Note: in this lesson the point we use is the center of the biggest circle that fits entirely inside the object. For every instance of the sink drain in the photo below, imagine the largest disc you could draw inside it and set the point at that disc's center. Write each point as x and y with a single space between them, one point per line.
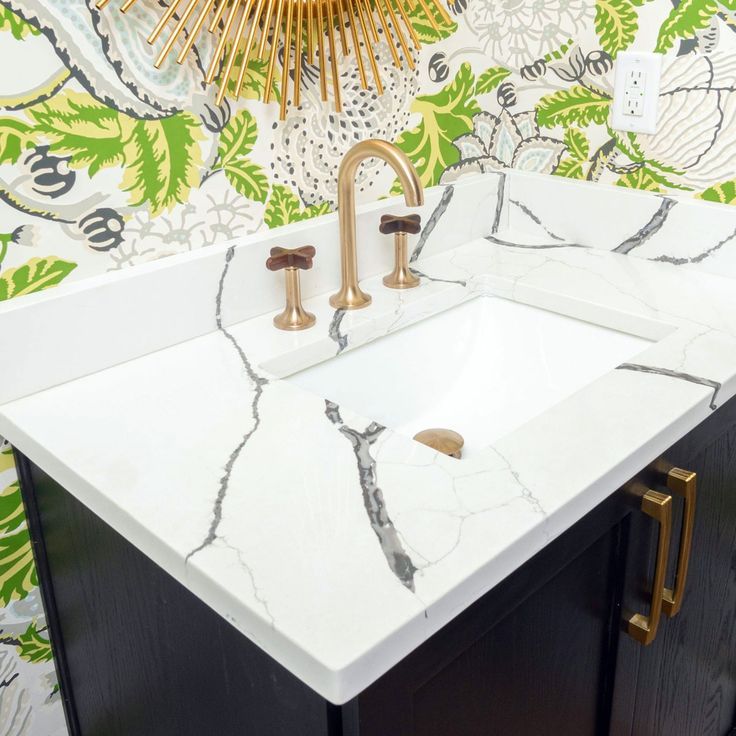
443 440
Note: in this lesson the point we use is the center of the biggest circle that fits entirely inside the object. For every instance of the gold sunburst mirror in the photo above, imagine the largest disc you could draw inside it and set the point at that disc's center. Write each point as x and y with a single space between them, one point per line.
308 30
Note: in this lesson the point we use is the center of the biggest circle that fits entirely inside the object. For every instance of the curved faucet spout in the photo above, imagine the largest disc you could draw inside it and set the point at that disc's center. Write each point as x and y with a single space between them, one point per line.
350 295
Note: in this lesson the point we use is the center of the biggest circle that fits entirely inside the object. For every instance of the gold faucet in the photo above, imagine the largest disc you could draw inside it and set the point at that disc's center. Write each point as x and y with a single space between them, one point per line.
350 295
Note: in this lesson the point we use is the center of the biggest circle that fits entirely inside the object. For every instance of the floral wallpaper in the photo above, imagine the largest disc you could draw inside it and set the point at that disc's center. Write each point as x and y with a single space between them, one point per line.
106 162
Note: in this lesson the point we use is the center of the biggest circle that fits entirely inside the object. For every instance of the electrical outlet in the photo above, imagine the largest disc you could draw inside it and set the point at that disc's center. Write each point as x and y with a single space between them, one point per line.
636 92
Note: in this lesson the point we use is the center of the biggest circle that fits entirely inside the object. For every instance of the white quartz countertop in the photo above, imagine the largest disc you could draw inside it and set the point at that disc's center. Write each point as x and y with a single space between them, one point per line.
338 545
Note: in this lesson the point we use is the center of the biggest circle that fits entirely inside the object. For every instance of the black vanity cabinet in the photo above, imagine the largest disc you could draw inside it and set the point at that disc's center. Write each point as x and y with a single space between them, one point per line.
545 653
684 682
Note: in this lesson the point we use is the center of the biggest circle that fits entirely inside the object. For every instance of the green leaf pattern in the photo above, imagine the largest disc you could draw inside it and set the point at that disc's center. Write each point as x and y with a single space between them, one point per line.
577 105
162 161
446 116
34 645
424 28
78 126
35 275
490 79
725 193
14 24
684 20
17 569
616 22
236 142
283 208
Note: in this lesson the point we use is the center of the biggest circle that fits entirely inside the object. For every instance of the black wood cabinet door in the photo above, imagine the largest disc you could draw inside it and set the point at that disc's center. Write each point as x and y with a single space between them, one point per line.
540 666
137 653
684 682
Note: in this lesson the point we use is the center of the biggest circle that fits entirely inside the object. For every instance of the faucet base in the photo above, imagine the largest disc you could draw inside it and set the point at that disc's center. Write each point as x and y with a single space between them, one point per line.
350 298
294 318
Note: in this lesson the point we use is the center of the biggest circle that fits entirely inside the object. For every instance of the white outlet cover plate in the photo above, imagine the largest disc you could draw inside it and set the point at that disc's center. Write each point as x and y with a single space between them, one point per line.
651 65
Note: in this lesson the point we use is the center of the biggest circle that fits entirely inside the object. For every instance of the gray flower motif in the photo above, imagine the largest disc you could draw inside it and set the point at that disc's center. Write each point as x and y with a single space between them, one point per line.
103 228
51 174
26 235
572 67
598 62
216 117
438 68
534 71
503 141
506 95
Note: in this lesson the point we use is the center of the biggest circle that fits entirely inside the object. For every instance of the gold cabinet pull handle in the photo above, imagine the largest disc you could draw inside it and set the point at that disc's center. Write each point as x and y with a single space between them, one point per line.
659 507
681 483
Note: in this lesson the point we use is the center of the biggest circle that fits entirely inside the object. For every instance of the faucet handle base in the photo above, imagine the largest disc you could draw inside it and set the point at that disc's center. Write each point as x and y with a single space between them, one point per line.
296 318
350 298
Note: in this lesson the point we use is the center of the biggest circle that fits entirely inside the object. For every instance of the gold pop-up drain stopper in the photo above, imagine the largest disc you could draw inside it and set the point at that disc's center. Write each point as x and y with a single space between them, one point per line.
443 440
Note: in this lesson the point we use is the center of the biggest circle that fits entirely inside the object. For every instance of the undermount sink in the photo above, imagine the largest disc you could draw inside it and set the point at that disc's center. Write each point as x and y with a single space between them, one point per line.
482 368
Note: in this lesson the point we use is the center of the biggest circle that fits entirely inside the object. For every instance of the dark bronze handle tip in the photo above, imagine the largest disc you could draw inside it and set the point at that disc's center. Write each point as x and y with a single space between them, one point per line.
400 224
291 258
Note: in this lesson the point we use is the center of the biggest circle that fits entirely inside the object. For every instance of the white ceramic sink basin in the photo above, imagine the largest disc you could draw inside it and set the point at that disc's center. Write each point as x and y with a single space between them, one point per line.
482 368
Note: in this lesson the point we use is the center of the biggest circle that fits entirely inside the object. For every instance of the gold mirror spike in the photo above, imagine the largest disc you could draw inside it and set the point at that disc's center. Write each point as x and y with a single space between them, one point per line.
311 27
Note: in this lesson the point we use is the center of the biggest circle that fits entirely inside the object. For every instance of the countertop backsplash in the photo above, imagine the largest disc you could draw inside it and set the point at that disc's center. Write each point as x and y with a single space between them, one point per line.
503 86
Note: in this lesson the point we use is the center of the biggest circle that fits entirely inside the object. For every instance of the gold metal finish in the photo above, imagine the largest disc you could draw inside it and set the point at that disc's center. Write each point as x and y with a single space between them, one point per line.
165 18
217 16
443 440
215 63
274 52
401 277
265 29
248 46
430 15
356 46
443 13
333 66
409 24
321 50
400 226
399 34
294 316
300 26
197 27
234 51
310 34
371 22
681 483
178 28
341 27
350 295
387 34
659 507
287 61
298 41
368 47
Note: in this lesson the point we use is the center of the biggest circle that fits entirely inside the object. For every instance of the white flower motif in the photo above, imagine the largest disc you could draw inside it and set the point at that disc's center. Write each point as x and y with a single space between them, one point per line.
206 219
504 141
108 52
696 128
518 32
310 144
